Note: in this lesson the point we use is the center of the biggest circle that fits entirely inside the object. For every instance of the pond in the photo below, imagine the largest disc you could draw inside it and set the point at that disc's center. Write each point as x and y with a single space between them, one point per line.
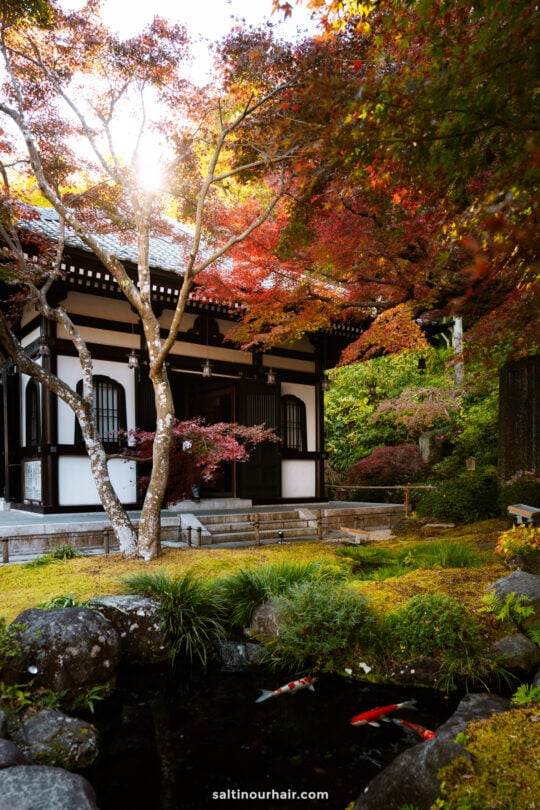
170 741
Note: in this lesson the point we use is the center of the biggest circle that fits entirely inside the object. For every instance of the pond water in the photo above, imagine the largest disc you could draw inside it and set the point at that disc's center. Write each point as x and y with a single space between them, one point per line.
172 742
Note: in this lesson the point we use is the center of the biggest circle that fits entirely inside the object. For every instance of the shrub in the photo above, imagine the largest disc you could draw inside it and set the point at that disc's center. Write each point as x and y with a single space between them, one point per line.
469 497
389 465
431 625
243 591
190 610
322 626
521 541
523 489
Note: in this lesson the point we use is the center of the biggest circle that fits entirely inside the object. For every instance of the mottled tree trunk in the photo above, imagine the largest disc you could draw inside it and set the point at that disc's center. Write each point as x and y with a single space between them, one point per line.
120 523
149 544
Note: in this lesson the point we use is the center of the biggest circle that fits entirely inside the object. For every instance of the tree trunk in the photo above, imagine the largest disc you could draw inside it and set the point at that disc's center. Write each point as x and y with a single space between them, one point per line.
149 545
457 345
121 524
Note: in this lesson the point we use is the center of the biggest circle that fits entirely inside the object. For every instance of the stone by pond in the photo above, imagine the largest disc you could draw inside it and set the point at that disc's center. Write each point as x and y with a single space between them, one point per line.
172 742
40 787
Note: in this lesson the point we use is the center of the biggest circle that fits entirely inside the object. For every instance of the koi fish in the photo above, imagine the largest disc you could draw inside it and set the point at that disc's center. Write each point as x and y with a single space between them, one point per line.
294 686
370 717
425 733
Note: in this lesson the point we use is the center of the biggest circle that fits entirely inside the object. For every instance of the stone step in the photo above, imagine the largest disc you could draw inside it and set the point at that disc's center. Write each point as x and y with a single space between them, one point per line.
264 534
228 528
246 517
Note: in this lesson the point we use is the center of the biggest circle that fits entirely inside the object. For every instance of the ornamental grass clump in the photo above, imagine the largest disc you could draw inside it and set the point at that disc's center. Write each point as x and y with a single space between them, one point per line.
443 554
245 590
374 562
190 610
58 554
324 625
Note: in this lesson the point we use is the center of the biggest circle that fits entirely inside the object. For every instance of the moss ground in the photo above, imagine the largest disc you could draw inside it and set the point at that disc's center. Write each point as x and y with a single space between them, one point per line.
86 577
497 745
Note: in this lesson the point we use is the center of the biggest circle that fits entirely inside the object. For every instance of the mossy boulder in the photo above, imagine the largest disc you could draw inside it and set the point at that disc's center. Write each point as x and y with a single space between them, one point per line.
501 763
516 653
49 737
65 649
136 620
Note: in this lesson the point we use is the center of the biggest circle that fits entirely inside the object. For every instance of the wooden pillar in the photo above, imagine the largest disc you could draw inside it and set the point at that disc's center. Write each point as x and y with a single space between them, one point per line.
12 434
519 418
49 423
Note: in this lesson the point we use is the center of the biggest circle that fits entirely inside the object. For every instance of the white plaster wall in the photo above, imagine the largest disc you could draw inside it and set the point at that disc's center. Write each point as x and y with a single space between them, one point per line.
298 479
33 335
105 337
307 394
101 306
69 370
76 485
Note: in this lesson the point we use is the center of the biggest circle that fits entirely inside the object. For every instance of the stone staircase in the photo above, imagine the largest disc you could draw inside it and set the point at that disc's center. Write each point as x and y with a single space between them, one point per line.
275 524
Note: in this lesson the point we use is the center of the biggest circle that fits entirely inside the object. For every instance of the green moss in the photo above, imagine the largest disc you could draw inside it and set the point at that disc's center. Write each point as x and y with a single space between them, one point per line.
504 765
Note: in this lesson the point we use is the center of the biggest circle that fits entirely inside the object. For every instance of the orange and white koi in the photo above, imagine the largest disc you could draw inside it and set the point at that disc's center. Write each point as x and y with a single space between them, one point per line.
370 717
425 733
288 688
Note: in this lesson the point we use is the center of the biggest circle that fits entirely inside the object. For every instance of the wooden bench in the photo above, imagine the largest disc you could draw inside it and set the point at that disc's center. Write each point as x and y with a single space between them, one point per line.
524 513
358 535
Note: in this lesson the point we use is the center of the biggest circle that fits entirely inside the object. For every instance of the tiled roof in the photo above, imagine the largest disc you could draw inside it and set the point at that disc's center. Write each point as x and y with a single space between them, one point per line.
166 253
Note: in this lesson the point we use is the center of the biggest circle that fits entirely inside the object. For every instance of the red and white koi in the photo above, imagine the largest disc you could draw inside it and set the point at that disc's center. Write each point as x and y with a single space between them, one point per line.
424 733
380 713
288 688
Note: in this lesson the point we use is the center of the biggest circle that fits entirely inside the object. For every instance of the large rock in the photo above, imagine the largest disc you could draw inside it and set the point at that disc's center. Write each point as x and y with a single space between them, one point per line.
238 655
49 737
412 777
522 584
38 787
72 649
135 618
516 653
472 707
10 755
265 620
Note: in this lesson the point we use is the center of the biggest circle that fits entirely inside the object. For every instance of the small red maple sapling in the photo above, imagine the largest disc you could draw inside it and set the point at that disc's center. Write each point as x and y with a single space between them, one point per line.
198 452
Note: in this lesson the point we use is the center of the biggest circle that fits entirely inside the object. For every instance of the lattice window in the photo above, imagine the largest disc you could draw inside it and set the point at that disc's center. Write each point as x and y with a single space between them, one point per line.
293 423
109 409
33 413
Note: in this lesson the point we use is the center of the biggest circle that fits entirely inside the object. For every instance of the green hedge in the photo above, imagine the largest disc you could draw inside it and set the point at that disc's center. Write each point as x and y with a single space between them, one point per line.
469 497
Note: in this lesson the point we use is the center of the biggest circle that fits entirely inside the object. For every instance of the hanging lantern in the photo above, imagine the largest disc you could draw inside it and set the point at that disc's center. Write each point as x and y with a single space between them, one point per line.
133 359
207 369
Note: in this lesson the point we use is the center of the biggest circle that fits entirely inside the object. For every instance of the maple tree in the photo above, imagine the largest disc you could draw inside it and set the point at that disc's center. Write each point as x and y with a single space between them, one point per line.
400 464
198 452
72 83
417 188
